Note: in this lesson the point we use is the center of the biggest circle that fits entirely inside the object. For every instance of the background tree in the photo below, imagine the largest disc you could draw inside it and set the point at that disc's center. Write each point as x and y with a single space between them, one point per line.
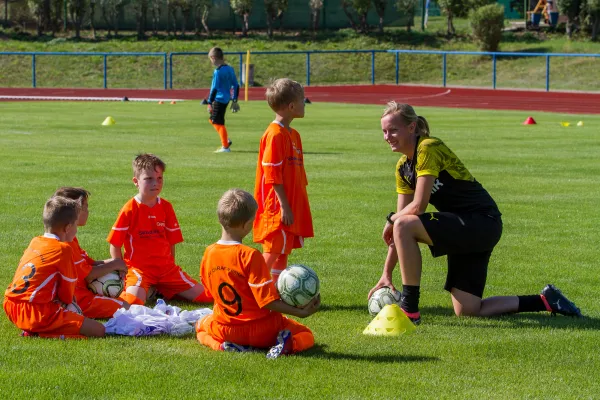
140 8
380 9
486 25
93 4
111 9
201 12
243 8
361 9
155 6
274 10
315 13
572 9
39 9
185 7
78 10
408 8
593 7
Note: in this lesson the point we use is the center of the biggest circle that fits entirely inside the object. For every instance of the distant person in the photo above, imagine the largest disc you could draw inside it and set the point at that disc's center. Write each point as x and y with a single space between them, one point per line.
92 305
148 229
39 298
224 88
248 311
284 218
466 227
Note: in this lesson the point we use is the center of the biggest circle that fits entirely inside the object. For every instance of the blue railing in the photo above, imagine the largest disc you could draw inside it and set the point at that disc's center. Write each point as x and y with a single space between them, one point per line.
104 56
168 67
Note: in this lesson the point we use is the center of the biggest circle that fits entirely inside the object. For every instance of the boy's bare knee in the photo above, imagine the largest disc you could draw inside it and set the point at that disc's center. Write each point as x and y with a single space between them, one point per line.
91 328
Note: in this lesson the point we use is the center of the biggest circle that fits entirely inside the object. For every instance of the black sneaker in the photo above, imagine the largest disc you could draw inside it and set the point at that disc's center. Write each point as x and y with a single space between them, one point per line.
559 303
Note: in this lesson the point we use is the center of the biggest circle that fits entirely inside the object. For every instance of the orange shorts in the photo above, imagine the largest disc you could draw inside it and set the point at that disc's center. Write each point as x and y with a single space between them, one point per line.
260 333
94 306
46 319
282 242
168 280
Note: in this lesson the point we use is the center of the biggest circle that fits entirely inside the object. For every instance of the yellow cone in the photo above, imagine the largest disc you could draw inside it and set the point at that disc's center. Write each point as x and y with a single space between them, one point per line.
580 123
109 121
391 321
565 124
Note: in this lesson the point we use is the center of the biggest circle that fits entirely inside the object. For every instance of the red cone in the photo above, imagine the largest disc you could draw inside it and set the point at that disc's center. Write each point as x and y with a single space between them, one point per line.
529 121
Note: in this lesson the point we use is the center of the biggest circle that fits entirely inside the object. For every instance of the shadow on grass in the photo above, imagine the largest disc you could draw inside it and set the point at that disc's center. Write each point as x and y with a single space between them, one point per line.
320 351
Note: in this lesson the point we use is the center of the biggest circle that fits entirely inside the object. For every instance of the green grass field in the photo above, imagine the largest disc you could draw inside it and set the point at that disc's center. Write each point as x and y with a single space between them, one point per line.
543 177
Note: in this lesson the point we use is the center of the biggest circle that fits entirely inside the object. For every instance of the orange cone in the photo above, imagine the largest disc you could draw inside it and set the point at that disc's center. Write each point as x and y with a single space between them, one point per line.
173 102
161 102
529 121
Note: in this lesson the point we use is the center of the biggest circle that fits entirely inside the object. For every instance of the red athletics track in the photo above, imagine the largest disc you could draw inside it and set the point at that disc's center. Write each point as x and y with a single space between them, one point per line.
499 99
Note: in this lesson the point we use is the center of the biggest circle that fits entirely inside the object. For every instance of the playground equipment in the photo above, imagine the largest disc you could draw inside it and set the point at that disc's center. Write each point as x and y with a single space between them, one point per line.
546 9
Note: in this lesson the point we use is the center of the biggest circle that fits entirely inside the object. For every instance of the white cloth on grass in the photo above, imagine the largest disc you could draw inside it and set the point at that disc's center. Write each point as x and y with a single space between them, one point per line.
162 319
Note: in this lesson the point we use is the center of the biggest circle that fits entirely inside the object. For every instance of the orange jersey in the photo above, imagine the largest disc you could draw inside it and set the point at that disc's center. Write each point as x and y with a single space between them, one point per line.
83 264
45 273
281 161
147 233
238 278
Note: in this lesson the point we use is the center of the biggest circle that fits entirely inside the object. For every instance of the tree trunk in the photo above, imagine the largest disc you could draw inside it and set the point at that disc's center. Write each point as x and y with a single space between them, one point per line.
92 14
269 26
205 20
350 18
451 30
595 26
245 24
315 19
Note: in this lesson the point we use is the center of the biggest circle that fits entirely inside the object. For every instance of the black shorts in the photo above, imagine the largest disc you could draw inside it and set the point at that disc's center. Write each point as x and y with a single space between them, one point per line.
468 240
218 113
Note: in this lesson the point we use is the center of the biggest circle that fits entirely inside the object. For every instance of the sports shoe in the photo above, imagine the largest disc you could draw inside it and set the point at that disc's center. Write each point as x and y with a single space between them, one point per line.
283 346
223 150
559 303
235 348
229 143
415 318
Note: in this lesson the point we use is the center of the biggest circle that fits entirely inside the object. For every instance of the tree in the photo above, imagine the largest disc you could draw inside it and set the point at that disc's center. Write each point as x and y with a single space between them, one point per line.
451 8
111 9
77 12
408 8
92 16
274 10
186 7
380 9
315 13
593 8
201 11
361 8
140 8
243 8
486 24
155 6
572 9
38 9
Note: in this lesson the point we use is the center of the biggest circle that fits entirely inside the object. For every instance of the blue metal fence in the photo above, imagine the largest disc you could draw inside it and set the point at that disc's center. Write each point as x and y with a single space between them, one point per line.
104 56
168 69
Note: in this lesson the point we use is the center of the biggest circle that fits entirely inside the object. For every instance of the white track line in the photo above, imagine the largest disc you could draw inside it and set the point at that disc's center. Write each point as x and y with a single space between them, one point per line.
82 98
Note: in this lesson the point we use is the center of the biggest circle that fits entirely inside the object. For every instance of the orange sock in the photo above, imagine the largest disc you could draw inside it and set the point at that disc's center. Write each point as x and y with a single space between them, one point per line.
131 299
302 341
222 131
276 263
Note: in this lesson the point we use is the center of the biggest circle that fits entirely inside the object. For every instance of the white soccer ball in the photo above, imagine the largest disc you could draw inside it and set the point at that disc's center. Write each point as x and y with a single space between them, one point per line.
74 307
109 285
382 297
298 285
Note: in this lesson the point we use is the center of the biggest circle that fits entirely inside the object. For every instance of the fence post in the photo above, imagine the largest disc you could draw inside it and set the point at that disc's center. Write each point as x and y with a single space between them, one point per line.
165 71
397 68
494 71
33 83
444 67
241 66
171 71
547 73
307 68
373 67
104 69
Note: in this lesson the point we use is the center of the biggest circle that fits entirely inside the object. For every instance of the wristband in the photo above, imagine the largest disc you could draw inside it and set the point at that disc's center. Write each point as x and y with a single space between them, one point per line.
389 217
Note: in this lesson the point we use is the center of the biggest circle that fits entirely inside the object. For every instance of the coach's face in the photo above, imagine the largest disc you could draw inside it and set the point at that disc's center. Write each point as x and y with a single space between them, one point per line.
399 136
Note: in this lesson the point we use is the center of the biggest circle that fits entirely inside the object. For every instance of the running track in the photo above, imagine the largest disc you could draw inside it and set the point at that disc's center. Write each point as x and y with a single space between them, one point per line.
499 99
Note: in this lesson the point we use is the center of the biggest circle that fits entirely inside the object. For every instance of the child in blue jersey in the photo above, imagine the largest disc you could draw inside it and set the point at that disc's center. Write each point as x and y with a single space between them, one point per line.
220 94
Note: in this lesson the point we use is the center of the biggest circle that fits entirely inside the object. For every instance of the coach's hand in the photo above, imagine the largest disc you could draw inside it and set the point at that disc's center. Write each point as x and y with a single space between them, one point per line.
235 107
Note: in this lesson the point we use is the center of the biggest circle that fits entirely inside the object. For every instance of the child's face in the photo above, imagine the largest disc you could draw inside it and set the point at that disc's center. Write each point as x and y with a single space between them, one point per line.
297 108
70 232
212 60
149 183
83 213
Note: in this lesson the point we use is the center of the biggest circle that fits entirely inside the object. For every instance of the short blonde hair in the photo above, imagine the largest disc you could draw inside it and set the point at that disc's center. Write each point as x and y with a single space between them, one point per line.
408 115
60 212
75 193
235 208
147 161
282 92
217 53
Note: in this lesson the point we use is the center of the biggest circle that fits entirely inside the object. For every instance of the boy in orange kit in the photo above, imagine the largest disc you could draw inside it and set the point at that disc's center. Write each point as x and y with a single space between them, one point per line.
248 310
36 301
148 229
283 219
92 306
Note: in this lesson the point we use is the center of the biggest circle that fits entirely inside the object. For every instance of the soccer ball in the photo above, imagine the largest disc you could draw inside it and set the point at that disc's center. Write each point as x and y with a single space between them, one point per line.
109 285
298 285
382 297
74 307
